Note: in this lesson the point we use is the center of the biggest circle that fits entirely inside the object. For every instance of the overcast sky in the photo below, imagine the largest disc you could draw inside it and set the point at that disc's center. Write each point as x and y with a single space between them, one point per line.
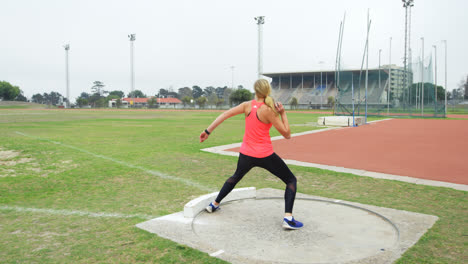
194 42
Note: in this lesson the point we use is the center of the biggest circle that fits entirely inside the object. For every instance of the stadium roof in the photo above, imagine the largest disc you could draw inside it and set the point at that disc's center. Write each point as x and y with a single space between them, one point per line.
295 73
276 74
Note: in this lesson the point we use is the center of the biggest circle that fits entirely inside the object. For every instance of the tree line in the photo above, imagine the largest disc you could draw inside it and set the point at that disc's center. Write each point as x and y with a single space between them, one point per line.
52 98
9 92
214 96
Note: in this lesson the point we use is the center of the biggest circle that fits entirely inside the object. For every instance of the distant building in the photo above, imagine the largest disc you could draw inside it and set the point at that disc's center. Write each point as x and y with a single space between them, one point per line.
113 103
169 102
397 79
144 102
312 89
136 102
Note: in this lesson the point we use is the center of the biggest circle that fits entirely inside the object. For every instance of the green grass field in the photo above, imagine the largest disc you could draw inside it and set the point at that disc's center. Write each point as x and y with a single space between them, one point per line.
22 105
458 109
73 184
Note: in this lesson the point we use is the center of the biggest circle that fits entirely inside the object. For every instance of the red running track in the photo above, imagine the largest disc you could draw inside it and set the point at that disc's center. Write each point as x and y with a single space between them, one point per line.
420 148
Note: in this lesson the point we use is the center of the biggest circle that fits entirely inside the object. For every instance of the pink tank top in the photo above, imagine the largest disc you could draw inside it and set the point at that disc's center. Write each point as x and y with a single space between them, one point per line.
257 142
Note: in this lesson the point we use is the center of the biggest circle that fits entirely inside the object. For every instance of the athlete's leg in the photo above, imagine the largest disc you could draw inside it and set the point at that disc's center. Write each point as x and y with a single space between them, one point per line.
244 165
277 167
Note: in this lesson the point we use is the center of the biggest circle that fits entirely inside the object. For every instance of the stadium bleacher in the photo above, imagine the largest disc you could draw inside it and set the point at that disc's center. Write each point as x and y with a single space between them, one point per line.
312 91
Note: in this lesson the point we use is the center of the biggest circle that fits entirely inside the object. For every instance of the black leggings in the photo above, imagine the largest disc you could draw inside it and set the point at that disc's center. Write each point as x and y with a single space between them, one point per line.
273 164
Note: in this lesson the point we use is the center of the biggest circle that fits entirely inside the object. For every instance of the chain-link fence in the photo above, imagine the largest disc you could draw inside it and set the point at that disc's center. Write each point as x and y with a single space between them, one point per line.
390 90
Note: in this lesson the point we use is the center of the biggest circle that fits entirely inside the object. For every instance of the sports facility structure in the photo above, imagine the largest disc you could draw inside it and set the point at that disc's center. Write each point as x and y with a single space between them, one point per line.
313 89
385 90
360 92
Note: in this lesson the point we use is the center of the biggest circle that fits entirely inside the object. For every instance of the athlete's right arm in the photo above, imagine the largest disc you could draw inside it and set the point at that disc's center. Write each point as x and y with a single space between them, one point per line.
240 109
282 125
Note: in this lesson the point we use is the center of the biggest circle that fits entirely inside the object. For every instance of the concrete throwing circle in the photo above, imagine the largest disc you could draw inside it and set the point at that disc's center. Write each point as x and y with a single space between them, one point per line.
332 232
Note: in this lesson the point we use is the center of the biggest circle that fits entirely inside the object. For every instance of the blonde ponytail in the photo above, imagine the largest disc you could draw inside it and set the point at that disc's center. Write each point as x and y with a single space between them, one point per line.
271 103
262 90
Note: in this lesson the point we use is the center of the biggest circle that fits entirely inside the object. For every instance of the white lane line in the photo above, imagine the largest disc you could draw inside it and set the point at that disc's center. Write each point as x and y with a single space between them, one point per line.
379 175
217 253
73 212
152 172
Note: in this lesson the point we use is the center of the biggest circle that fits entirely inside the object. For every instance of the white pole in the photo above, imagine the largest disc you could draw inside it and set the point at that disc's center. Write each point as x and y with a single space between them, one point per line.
410 58
389 75
260 21
367 60
260 51
67 48
422 78
321 89
336 61
406 49
445 42
380 85
352 95
132 74
435 78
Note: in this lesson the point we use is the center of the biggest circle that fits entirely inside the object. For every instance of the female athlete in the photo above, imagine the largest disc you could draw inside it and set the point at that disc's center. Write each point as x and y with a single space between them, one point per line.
256 150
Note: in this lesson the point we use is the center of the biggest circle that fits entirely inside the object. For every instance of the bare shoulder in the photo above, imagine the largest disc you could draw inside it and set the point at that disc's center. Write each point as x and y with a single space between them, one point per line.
266 114
246 103
246 106
266 109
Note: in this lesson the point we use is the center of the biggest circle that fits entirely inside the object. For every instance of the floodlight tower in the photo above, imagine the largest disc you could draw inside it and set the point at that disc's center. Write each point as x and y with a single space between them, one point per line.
406 4
410 55
67 48
260 21
132 73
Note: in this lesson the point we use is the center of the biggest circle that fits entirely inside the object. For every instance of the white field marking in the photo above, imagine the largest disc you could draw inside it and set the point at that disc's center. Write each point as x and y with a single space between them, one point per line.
217 253
375 121
73 212
152 172
23 113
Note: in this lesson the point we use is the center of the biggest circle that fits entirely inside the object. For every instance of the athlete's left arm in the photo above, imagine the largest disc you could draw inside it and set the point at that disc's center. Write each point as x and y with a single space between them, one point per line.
237 110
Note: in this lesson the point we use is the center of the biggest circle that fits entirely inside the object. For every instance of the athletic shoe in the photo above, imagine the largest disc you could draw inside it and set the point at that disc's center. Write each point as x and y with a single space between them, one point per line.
211 208
293 224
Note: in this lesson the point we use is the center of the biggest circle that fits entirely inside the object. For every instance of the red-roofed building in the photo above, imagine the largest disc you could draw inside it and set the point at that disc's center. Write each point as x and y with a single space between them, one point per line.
143 102
136 102
169 101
